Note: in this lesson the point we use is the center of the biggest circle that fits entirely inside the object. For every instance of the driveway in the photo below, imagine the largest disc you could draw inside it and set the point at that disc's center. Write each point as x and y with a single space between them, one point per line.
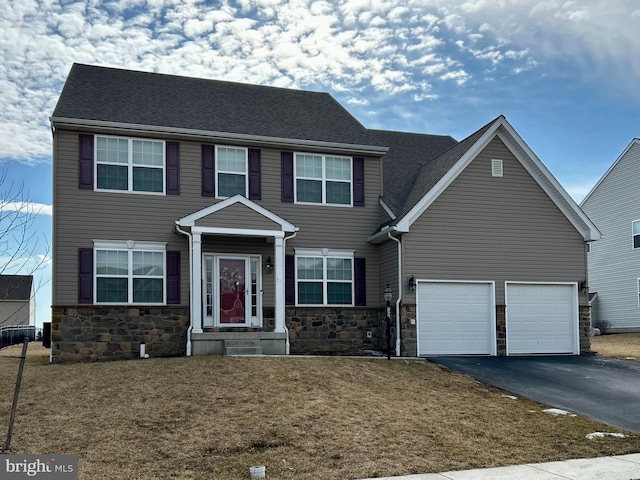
602 388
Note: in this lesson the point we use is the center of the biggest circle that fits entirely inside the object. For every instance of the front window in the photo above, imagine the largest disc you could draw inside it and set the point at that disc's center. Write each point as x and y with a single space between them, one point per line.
324 277
130 165
323 179
129 272
636 234
231 169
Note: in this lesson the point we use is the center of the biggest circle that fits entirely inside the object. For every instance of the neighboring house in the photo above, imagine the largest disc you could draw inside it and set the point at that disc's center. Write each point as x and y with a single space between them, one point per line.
614 262
17 300
205 217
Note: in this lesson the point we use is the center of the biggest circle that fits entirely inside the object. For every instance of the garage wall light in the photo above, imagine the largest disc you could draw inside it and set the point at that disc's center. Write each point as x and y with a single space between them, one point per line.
412 284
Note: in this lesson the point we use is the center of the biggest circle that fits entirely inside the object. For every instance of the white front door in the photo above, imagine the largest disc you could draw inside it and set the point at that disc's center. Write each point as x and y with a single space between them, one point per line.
232 290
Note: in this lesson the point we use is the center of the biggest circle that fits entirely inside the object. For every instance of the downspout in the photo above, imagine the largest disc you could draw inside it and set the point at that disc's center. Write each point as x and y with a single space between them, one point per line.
287 345
399 291
191 306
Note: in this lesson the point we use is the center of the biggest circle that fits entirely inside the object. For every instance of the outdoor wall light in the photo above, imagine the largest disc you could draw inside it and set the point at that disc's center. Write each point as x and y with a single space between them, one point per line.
269 265
584 286
412 284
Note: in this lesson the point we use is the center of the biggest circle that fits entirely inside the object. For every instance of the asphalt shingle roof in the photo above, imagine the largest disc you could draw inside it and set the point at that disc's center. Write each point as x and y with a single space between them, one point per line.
142 98
15 287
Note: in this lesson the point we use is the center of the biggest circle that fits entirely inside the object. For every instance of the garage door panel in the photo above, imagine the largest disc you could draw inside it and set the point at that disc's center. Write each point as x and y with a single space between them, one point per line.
455 318
541 318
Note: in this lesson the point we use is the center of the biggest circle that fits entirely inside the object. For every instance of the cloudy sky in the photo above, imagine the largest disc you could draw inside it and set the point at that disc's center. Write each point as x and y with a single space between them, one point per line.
565 73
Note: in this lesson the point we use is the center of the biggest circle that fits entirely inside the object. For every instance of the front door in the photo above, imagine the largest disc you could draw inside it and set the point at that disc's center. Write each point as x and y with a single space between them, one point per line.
232 291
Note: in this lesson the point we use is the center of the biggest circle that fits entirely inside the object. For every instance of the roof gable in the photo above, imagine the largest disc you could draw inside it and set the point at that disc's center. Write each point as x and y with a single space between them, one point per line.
174 103
16 287
634 142
448 166
263 220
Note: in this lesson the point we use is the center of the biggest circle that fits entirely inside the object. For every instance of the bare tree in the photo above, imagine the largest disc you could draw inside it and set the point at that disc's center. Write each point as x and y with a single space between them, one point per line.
19 237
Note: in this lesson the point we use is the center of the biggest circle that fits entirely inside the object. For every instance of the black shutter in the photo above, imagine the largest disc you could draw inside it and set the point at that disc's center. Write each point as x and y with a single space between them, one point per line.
358 182
255 188
85 275
360 275
208 171
173 277
173 168
287 176
289 280
85 165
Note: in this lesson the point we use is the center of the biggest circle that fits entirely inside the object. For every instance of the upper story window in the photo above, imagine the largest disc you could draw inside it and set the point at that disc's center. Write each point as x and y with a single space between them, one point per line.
324 277
129 272
231 171
130 165
636 233
323 179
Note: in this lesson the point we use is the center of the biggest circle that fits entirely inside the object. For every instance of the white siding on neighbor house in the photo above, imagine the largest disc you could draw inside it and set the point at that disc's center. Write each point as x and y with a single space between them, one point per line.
614 265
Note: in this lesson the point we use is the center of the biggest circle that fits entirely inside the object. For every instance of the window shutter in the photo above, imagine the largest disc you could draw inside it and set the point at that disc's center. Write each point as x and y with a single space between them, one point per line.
255 188
358 182
173 277
289 280
85 167
173 168
360 275
208 171
287 176
85 275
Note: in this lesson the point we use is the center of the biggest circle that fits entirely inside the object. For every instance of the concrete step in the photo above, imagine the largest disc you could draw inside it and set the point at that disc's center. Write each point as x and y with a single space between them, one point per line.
242 347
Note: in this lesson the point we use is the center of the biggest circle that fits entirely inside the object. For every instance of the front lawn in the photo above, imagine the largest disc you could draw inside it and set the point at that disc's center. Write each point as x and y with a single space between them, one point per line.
303 418
618 345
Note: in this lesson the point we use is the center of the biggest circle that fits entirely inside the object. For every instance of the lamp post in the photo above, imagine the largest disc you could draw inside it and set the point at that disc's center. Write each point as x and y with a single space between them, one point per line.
388 293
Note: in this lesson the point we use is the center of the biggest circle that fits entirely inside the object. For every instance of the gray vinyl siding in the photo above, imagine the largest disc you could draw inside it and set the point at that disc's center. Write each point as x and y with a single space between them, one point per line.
388 268
495 229
614 265
14 313
238 216
83 215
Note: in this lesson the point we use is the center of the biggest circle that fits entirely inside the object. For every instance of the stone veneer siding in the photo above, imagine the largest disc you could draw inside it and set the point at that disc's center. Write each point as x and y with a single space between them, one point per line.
82 333
334 330
409 340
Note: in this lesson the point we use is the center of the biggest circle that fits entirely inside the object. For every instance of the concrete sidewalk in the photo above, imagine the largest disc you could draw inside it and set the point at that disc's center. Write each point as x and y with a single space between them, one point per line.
622 467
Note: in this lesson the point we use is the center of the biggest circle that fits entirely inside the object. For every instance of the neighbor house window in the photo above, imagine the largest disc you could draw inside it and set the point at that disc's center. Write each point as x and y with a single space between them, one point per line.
231 171
130 165
636 234
129 272
323 179
324 277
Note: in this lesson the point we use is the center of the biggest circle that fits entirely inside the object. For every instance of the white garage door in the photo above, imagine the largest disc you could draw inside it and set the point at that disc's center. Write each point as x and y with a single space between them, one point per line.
542 318
455 318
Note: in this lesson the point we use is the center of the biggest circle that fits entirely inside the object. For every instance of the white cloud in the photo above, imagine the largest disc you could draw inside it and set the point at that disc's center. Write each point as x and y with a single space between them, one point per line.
29 208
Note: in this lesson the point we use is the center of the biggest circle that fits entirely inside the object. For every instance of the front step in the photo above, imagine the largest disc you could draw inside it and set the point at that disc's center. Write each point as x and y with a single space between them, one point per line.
242 347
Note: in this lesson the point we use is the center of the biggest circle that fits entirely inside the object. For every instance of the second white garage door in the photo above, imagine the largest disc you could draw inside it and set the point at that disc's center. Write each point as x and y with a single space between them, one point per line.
456 318
542 318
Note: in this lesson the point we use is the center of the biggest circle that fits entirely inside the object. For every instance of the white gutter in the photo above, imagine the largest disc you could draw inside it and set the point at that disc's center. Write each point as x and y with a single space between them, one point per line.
287 345
211 135
191 303
399 290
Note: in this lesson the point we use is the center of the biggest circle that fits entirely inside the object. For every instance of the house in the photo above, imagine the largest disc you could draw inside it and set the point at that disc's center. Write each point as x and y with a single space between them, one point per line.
204 217
614 262
17 300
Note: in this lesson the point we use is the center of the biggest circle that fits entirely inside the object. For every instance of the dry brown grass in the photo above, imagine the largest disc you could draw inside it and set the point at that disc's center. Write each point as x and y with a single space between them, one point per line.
618 345
304 418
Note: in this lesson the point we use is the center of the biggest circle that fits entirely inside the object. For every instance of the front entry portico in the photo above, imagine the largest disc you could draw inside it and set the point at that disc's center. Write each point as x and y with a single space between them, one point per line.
228 242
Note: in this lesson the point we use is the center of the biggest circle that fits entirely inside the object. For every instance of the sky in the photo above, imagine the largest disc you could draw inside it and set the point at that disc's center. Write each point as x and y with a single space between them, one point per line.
566 74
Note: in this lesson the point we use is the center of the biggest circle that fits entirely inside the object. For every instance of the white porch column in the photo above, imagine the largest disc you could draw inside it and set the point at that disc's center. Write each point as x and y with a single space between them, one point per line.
196 283
279 284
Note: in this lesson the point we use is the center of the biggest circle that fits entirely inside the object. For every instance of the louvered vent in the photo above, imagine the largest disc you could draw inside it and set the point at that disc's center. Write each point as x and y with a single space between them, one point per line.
496 168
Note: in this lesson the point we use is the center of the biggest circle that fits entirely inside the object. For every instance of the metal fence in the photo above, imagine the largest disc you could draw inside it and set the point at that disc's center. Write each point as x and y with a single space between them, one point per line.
15 334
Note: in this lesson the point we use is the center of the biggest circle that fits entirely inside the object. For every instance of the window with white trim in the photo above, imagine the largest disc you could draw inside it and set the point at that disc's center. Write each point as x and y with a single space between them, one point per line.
324 277
324 179
635 227
128 272
130 164
639 292
231 171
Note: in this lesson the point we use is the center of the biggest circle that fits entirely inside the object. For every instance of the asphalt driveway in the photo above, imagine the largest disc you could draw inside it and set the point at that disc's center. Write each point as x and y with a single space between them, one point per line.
602 388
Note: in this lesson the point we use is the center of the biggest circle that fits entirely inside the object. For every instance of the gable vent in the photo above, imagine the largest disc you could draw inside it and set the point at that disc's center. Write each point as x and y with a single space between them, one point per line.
496 168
